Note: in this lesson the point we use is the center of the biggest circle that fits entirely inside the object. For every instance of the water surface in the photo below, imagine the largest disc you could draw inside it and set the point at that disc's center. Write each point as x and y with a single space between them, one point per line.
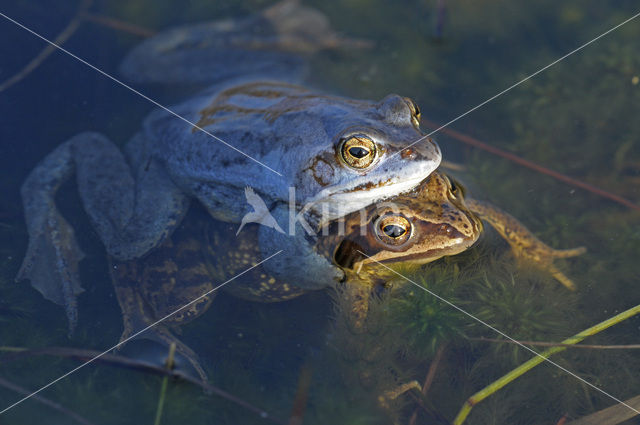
578 118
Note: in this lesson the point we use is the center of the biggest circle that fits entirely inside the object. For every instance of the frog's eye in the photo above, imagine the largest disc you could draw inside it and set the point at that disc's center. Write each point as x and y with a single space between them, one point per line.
415 111
455 188
358 151
393 229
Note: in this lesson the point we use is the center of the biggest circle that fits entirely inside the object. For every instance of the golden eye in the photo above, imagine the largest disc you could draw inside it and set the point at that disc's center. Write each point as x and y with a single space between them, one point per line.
393 229
358 151
415 111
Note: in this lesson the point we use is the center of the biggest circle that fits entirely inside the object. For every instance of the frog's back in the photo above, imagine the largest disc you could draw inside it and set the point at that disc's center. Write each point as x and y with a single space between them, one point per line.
261 133
237 140
268 134
275 135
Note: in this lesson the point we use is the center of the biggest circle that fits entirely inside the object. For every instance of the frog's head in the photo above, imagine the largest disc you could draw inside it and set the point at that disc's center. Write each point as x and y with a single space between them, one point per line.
421 226
372 155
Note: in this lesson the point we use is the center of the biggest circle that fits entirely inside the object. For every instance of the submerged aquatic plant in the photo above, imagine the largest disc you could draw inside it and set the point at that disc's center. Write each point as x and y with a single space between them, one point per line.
524 304
13 304
10 308
533 362
425 321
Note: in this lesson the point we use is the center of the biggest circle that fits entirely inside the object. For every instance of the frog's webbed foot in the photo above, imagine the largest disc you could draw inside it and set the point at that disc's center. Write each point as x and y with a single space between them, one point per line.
525 245
545 256
163 335
51 264
300 28
137 315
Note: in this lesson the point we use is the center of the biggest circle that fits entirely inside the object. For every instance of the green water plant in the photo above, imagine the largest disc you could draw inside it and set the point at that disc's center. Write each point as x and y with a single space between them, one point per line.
539 358
424 321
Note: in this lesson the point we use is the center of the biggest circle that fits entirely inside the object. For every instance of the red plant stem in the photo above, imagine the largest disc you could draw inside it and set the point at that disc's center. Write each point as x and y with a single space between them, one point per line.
302 394
531 165
119 25
429 379
82 355
60 39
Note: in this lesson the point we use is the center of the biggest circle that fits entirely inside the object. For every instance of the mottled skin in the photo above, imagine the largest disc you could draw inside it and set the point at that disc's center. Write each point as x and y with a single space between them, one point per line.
297 132
171 277
150 288
438 224
437 219
135 198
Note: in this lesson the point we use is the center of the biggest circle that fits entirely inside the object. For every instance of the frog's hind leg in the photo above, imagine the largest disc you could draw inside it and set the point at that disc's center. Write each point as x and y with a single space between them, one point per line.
273 44
525 245
215 52
139 318
133 209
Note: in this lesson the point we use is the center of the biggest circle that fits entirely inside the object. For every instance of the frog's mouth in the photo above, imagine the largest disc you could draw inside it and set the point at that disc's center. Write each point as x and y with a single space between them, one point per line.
333 203
350 254
429 256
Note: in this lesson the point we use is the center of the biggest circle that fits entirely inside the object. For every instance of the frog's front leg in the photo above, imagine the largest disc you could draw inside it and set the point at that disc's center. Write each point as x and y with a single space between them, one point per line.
132 208
523 243
298 261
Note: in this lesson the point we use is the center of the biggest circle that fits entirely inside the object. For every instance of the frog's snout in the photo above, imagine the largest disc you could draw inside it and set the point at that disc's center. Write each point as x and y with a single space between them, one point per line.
408 154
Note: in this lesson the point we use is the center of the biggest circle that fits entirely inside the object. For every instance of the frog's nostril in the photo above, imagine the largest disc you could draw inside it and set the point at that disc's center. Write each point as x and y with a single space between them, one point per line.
408 153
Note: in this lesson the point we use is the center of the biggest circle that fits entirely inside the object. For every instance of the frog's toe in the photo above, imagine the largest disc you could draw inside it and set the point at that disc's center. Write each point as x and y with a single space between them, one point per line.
566 253
561 277
51 264
396 392
545 261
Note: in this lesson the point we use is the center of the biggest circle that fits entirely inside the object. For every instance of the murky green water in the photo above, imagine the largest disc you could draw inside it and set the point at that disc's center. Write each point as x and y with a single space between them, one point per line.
578 118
